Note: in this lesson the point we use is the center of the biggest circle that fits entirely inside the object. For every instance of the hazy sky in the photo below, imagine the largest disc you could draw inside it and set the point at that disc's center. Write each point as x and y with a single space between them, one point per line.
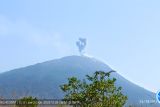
123 33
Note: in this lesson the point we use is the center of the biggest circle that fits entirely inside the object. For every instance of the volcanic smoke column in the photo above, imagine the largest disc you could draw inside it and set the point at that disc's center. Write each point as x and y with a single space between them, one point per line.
81 44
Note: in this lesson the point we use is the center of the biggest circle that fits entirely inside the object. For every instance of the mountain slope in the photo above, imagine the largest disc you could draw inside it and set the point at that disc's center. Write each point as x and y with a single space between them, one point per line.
43 79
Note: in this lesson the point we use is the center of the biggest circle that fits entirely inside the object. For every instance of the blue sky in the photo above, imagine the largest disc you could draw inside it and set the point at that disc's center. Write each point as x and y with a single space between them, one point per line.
123 33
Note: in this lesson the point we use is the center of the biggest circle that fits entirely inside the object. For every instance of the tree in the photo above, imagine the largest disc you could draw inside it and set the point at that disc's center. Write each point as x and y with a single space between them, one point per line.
98 90
27 102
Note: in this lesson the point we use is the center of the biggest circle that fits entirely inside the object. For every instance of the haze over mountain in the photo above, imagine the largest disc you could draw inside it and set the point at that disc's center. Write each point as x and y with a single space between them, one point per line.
42 80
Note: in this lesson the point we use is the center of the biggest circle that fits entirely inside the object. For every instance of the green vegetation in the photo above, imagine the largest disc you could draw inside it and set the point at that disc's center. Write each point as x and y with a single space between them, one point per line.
98 90
27 102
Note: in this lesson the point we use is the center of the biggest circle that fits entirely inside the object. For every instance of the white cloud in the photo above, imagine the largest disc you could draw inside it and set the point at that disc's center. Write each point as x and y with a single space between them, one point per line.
53 40
27 32
17 27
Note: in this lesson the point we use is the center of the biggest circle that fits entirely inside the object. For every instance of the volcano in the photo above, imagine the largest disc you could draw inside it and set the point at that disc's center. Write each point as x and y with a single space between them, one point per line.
42 80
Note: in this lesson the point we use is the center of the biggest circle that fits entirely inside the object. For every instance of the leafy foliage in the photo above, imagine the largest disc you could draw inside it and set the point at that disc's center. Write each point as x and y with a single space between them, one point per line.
27 102
98 90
